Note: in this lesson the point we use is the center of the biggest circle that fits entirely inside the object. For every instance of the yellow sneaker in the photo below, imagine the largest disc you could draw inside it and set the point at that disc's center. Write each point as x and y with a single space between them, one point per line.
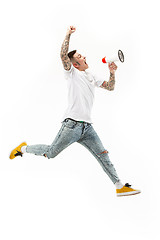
17 151
126 190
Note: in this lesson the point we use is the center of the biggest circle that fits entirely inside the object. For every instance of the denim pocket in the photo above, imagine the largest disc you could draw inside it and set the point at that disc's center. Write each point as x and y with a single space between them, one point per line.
70 124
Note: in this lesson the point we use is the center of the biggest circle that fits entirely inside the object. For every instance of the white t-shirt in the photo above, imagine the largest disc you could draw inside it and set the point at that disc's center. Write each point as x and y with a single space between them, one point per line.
81 88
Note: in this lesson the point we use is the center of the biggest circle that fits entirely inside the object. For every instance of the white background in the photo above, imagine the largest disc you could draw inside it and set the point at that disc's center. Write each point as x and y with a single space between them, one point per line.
71 197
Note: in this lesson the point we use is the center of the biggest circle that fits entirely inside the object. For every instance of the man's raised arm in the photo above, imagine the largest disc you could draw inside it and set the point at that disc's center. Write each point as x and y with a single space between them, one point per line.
64 49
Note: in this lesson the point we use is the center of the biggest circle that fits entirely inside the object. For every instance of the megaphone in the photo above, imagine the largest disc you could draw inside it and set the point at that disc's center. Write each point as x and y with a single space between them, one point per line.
117 57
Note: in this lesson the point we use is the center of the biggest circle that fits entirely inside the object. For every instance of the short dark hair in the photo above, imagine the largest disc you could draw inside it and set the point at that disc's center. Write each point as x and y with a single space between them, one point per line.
70 54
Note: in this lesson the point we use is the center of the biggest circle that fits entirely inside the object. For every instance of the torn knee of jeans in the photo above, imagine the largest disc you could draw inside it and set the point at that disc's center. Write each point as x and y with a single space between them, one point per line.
105 151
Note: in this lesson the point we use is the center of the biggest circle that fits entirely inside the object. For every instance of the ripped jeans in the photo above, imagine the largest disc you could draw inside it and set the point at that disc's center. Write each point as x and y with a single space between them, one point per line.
82 132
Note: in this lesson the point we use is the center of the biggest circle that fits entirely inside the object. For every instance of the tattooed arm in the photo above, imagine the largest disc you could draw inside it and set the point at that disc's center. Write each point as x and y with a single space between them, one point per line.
64 49
111 83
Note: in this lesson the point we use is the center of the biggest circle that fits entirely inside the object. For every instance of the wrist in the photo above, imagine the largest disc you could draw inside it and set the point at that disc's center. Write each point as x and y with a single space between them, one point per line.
68 34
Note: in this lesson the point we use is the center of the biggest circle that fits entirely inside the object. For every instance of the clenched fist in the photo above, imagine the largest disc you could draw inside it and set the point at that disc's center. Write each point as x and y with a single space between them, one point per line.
112 67
71 29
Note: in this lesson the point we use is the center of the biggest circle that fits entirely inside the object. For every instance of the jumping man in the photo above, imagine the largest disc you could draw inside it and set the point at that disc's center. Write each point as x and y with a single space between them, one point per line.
76 122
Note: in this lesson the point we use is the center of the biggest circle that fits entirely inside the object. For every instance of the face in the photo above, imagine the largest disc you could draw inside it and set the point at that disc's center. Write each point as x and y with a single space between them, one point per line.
80 62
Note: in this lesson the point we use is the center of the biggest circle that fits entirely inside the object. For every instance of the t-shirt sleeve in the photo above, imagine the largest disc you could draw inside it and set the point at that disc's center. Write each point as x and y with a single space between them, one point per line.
68 74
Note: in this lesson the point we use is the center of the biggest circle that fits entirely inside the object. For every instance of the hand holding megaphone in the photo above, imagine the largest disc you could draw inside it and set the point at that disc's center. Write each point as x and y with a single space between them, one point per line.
117 57
112 67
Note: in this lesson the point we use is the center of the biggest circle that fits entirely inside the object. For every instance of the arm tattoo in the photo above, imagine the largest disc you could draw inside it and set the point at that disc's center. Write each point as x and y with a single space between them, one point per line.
110 84
112 81
64 51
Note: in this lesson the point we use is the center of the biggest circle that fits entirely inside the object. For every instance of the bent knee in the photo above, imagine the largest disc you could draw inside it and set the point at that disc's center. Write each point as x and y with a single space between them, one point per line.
52 153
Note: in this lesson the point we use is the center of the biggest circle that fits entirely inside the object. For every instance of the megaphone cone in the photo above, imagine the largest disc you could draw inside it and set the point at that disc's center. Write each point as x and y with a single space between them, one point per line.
118 57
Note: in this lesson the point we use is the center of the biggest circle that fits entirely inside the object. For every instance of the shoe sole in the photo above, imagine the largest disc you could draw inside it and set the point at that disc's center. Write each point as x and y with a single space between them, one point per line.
128 193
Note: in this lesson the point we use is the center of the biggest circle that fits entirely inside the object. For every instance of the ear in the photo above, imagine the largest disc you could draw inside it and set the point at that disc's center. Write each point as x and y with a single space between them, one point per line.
75 65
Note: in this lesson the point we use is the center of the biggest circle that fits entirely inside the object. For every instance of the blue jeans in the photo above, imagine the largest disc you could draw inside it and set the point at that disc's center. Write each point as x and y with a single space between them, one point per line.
72 131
